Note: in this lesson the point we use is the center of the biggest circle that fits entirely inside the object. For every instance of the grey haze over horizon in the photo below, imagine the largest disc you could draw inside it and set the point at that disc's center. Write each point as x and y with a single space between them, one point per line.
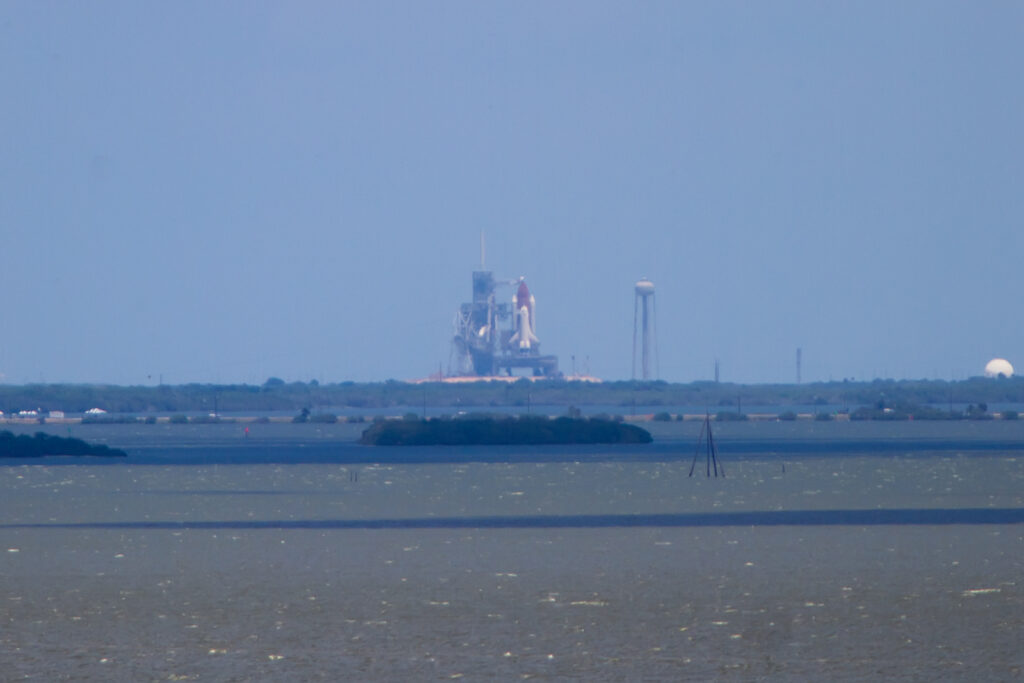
216 192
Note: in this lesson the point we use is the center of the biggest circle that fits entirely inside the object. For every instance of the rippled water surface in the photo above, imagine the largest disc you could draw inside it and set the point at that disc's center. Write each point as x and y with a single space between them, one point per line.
296 555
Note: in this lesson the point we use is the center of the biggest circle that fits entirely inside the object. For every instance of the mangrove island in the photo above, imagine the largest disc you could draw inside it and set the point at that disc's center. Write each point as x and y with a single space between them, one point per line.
490 430
40 445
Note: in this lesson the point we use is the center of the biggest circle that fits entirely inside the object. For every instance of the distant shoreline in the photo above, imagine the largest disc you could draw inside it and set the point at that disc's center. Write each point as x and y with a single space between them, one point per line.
276 398
722 416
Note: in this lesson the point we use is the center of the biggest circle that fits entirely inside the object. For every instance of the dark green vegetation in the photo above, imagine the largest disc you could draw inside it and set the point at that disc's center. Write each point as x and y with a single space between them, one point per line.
25 446
903 397
904 410
500 430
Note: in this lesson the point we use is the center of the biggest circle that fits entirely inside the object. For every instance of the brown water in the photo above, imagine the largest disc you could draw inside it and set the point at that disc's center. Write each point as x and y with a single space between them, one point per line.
247 572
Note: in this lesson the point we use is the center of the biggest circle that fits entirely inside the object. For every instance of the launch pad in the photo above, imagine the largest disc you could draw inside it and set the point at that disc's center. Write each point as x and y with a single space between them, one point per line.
497 339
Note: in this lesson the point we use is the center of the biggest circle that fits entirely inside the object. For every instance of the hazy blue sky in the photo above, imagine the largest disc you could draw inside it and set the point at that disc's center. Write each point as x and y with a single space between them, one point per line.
224 191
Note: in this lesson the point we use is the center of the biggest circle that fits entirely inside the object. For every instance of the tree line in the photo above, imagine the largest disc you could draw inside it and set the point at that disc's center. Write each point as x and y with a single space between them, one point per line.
619 396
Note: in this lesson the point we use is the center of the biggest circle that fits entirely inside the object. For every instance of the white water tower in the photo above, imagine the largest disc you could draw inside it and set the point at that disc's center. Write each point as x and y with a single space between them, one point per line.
644 321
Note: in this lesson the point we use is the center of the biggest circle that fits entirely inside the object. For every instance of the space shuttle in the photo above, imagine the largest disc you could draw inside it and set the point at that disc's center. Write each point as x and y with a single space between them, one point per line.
524 308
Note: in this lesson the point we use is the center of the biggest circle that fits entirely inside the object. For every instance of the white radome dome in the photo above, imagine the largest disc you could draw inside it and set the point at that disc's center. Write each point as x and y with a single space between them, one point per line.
997 367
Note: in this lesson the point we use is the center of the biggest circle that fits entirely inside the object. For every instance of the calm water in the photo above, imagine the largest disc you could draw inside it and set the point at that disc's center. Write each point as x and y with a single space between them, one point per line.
848 551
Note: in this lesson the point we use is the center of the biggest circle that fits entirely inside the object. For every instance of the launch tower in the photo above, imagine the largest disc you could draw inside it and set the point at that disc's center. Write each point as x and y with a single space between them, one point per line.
494 338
